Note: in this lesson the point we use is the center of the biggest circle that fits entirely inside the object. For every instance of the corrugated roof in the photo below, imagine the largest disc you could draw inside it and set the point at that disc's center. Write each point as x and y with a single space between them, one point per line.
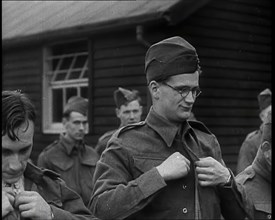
25 18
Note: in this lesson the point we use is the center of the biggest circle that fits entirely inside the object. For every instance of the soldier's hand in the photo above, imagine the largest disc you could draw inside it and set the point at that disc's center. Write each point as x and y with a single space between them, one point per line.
211 172
174 167
32 205
7 201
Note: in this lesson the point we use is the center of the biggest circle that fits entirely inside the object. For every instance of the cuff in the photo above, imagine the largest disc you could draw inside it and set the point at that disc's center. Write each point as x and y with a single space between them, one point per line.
150 182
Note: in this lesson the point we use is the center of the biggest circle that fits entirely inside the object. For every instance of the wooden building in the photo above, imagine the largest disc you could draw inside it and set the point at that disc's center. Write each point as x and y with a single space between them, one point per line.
55 49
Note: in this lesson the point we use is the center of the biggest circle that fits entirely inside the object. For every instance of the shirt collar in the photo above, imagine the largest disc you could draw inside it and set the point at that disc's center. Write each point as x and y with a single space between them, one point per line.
164 128
70 145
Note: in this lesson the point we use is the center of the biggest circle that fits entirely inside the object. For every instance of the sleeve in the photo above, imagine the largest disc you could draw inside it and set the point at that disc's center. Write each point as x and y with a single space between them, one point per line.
246 156
117 194
73 207
233 200
101 146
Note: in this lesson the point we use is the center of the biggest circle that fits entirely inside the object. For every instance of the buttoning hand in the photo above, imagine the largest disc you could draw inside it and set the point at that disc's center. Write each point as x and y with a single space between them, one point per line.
32 205
211 172
174 167
7 201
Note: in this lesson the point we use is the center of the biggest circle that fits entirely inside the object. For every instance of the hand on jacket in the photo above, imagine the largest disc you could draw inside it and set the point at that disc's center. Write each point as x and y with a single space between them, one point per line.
211 172
32 205
174 167
7 201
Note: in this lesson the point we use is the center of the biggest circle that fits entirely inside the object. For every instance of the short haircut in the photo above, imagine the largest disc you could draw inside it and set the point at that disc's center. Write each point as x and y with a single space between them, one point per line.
17 109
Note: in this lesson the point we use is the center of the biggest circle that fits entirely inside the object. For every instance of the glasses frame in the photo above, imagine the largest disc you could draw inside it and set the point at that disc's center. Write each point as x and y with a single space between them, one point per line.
180 91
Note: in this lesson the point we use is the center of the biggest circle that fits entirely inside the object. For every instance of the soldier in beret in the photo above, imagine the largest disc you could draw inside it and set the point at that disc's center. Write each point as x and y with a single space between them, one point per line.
252 141
69 155
255 180
166 167
128 111
29 192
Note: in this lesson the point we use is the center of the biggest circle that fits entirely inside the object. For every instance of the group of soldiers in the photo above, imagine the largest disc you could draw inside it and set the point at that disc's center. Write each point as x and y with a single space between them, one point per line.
167 166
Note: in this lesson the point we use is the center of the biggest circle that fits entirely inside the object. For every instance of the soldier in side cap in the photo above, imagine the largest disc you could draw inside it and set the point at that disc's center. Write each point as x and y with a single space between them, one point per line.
166 167
128 111
29 192
255 180
252 141
69 155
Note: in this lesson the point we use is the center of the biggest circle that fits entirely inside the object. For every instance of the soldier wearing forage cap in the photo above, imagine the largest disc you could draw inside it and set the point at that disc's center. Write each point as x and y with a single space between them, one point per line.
255 180
70 156
166 167
128 111
252 141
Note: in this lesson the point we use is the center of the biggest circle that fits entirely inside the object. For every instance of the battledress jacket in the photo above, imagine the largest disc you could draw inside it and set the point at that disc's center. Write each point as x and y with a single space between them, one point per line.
64 202
128 185
102 141
75 164
249 149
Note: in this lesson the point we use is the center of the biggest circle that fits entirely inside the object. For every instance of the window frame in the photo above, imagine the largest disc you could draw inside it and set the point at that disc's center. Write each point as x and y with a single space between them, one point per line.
48 126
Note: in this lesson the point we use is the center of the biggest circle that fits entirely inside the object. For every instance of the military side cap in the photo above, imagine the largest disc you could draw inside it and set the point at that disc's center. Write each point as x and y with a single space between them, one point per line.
170 57
124 96
264 99
76 104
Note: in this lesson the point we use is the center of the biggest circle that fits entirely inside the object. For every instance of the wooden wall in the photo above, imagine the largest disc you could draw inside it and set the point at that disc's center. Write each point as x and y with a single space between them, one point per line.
233 40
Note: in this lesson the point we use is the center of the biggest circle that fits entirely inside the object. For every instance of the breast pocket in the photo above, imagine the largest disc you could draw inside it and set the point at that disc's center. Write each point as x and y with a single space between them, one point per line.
263 207
143 164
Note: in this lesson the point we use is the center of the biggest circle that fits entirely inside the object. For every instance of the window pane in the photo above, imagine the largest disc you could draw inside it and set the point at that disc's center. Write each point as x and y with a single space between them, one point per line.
66 63
57 105
74 74
70 92
84 92
85 75
80 61
60 76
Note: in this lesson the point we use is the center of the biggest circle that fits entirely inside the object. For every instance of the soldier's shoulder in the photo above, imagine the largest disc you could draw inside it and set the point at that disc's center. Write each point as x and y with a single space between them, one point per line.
129 128
106 135
252 135
51 147
247 174
198 125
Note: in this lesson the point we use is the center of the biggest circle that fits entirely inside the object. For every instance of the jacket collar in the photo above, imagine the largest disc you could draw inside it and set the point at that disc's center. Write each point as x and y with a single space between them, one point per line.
164 128
70 145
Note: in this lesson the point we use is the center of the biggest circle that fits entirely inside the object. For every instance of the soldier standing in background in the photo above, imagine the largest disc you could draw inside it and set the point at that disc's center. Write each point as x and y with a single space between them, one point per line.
69 155
252 141
256 178
128 111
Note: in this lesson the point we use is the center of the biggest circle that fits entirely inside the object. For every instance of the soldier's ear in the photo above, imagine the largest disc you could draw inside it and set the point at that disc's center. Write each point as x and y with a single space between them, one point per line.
154 89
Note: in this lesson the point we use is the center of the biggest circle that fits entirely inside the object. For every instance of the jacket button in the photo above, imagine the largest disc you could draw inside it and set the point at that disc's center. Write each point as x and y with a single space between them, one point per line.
184 210
269 216
184 186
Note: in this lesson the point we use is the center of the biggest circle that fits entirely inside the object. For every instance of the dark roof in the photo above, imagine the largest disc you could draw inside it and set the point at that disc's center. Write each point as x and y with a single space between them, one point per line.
23 19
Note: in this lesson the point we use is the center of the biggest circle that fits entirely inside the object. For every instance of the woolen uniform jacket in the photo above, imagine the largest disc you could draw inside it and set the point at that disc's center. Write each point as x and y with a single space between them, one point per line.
64 202
75 164
128 185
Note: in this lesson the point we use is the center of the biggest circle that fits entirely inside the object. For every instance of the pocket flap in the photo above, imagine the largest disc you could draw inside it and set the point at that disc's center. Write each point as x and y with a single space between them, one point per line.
263 206
145 164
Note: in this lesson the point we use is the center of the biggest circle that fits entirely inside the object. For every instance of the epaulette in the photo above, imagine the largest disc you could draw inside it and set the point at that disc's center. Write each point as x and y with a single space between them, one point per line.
51 174
128 127
199 126
50 146
107 134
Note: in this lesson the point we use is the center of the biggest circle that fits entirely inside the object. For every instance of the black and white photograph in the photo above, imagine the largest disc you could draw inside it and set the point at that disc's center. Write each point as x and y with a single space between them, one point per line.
136 109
